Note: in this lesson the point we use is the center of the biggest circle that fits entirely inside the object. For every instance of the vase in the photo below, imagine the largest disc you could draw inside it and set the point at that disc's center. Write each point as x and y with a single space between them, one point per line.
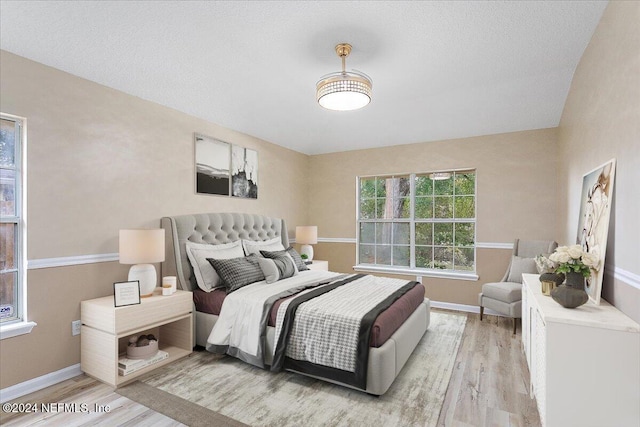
571 294
549 281
556 278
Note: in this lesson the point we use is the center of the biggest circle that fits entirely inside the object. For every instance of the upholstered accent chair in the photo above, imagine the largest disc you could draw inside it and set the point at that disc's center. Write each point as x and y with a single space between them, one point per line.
505 296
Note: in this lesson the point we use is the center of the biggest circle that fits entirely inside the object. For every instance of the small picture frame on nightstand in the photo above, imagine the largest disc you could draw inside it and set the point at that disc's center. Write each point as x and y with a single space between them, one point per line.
126 293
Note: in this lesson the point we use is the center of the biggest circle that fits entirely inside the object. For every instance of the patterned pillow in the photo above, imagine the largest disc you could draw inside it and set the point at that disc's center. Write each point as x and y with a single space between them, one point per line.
254 247
238 272
278 268
300 265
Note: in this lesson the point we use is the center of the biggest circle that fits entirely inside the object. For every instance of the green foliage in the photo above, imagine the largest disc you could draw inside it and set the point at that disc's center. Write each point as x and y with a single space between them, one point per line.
443 207
424 185
367 188
440 245
424 207
443 187
465 183
465 207
443 233
577 267
424 233
7 143
465 233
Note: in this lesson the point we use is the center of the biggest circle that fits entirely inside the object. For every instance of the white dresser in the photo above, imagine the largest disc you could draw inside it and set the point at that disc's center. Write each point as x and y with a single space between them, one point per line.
584 362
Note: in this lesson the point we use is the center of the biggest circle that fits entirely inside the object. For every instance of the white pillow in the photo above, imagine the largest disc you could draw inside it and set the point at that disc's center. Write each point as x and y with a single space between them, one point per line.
206 276
252 247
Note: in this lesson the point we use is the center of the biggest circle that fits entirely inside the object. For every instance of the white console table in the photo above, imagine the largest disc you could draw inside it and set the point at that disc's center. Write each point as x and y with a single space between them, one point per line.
584 362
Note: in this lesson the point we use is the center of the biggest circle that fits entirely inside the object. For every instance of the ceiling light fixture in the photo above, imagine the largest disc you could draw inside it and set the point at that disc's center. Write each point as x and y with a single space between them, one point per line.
346 90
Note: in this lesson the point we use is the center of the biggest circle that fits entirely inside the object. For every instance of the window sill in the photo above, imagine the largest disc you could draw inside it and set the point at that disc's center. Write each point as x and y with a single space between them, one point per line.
15 329
418 272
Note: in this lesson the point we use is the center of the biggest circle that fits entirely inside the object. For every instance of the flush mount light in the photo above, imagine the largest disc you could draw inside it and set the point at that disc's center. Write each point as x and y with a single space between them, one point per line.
345 90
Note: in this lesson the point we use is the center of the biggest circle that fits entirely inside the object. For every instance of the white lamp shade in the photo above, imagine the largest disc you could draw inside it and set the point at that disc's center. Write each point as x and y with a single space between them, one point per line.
141 246
307 234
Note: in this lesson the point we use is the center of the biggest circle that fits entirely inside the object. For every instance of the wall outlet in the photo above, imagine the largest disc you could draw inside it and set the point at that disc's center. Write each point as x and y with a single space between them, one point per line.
75 327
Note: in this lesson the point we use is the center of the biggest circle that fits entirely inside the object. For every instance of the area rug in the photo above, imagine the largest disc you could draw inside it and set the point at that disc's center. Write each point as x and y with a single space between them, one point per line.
236 392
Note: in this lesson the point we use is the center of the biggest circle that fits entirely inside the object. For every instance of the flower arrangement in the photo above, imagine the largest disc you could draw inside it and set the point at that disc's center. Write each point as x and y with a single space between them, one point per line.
545 265
575 259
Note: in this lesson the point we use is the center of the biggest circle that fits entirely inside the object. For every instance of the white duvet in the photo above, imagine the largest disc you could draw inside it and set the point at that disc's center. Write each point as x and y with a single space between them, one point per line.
239 322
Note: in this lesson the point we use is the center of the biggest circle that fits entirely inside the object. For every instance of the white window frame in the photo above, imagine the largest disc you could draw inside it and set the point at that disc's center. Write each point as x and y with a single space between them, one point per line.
20 325
412 269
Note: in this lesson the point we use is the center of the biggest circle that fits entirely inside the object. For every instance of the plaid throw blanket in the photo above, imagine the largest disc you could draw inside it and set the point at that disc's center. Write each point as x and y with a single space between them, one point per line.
325 331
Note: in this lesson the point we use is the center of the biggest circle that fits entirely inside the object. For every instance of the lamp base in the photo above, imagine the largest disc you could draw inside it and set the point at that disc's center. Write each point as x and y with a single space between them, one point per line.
308 251
146 275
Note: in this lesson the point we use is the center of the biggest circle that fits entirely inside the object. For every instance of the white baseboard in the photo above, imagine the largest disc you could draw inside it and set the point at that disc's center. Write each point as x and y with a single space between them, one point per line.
33 385
463 307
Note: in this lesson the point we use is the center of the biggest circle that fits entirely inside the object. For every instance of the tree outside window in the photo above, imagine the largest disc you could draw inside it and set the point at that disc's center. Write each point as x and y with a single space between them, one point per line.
422 221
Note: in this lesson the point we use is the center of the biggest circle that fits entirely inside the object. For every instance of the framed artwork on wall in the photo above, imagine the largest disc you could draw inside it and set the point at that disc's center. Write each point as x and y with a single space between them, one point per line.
593 223
213 159
244 172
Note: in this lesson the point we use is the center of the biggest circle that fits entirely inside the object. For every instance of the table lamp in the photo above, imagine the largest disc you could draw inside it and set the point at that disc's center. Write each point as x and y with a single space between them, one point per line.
142 248
307 235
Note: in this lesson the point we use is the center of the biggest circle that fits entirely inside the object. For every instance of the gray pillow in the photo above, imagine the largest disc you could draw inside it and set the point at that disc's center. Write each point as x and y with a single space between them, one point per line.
300 265
238 272
520 265
278 268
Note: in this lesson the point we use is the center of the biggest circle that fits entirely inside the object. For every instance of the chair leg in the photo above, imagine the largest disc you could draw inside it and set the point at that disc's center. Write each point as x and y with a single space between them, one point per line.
481 312
514 325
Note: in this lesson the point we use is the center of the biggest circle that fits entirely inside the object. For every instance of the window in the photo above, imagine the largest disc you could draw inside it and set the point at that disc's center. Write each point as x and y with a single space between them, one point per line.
11 220
423 221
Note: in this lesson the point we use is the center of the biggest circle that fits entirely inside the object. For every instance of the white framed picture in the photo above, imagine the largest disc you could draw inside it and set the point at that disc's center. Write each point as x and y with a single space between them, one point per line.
213 159
593 223
126 293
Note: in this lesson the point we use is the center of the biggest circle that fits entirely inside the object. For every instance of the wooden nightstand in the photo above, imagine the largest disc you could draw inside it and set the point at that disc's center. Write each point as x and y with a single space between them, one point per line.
319 265
106 330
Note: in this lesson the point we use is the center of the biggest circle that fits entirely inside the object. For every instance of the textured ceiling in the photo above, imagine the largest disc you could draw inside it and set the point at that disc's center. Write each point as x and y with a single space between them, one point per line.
440 70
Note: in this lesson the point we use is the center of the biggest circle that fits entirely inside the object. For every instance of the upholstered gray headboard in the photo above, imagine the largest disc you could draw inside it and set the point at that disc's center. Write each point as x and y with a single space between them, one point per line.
212 228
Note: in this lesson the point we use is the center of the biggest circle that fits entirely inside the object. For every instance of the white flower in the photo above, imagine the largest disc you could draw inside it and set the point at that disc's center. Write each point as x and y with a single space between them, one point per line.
562 249
575 251
560 257
591 260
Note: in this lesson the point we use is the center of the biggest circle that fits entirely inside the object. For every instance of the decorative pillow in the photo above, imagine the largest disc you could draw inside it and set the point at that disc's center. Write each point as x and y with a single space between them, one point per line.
206 277
238 272
252 247
278 268
519 266
300 265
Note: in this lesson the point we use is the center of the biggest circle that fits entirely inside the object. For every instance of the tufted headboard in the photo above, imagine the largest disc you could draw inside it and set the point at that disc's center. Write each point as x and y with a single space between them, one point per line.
212 228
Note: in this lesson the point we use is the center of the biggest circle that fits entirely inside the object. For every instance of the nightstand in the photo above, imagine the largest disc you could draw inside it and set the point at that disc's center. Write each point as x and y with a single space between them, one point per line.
319 265
106 330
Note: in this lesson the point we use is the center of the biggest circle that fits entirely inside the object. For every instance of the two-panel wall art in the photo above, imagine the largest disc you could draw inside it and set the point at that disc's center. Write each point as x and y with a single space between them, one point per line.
224 169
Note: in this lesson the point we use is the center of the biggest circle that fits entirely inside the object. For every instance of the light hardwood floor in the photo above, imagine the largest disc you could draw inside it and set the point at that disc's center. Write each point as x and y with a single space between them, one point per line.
489 387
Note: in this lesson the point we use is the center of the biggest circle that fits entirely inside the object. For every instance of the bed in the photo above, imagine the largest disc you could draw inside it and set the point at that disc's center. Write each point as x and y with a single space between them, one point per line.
384 362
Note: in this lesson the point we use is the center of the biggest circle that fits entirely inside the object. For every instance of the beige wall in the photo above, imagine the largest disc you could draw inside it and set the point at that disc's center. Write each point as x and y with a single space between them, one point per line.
601 121
516 189
100 160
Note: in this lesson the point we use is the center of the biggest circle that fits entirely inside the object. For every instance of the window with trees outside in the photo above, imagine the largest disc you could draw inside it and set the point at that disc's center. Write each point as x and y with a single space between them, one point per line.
11 226
421 221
